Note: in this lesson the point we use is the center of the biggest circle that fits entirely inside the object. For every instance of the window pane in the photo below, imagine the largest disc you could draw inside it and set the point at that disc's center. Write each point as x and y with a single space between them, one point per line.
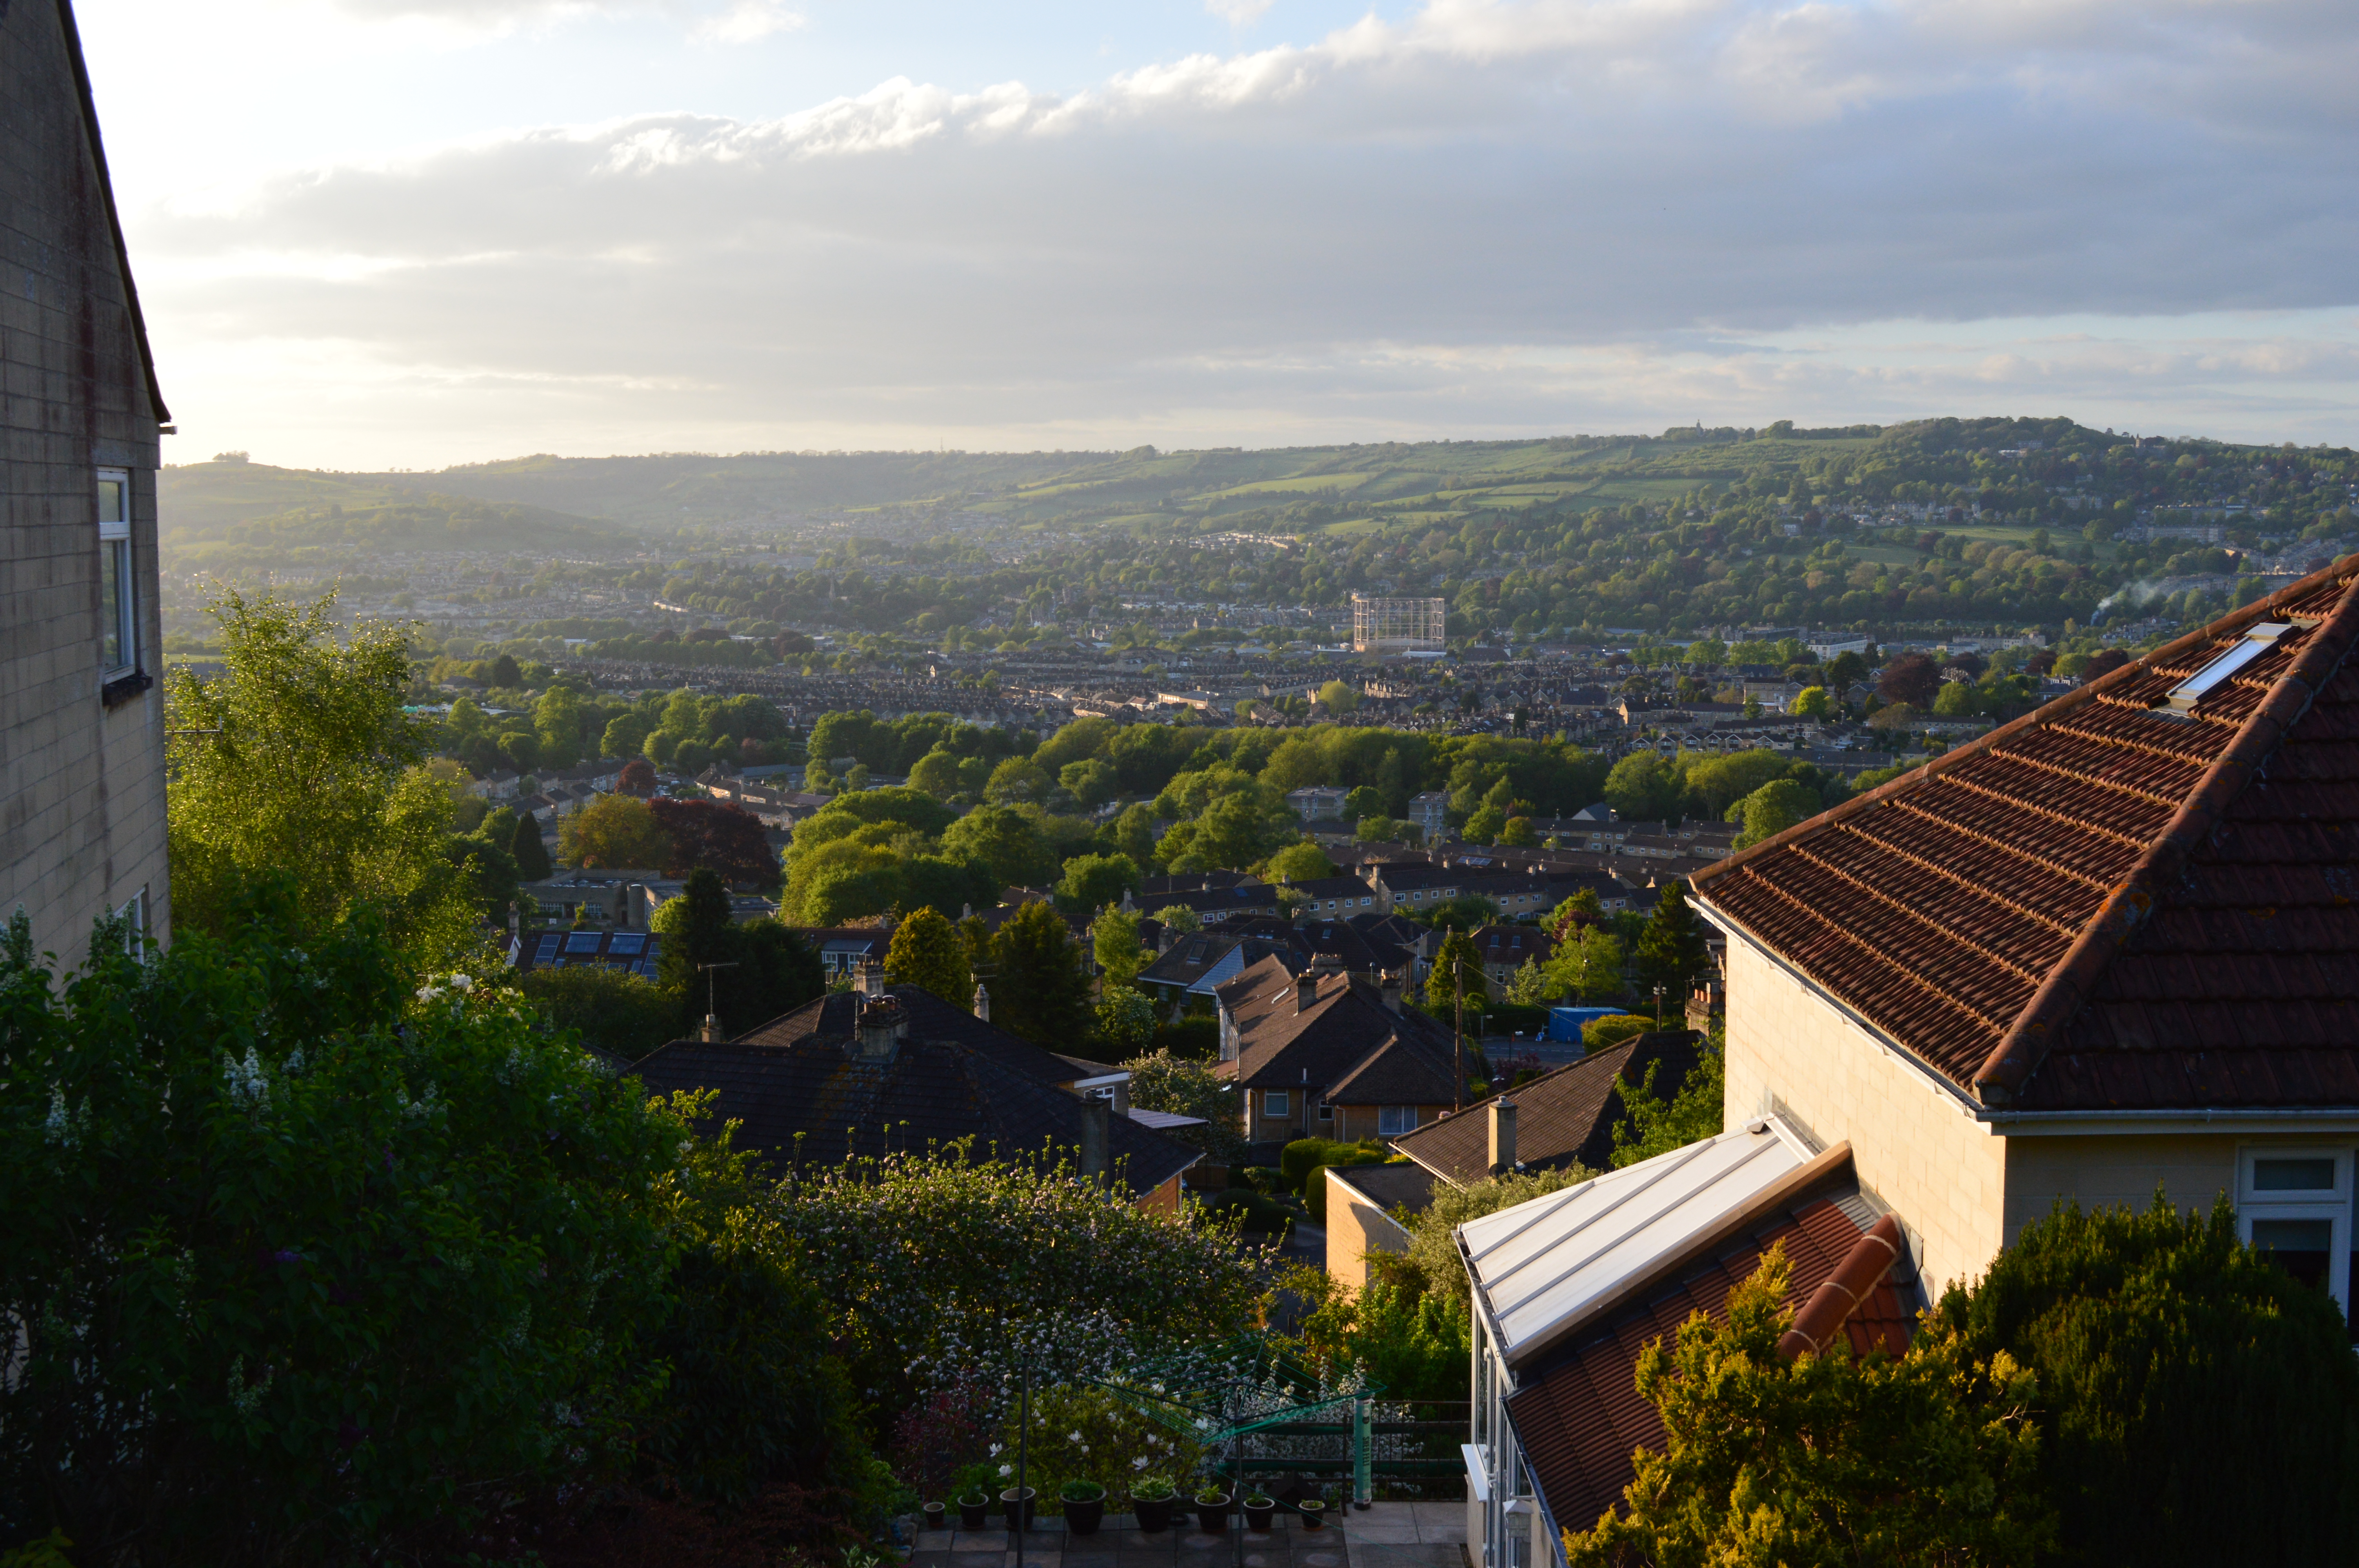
112 495
114 585
2308 1175
2298 1246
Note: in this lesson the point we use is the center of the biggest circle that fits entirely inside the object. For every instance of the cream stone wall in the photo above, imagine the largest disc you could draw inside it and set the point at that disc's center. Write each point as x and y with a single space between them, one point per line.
2107 1170
1913 1144
1356 1228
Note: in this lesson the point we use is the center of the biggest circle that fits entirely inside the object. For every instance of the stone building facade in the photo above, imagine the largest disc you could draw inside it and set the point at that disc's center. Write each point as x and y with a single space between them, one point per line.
81 712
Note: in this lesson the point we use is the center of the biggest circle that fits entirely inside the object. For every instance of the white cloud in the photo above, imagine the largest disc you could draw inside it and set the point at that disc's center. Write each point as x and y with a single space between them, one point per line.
1486 216
1238 13
747 21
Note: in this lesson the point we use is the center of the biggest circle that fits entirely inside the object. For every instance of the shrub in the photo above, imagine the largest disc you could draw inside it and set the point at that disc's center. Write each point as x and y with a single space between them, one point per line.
303 1254
1599 1033
608 1010
1079 1433
2200 1405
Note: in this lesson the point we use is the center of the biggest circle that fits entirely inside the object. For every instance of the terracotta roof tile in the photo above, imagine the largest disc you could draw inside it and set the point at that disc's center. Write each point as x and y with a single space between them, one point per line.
2102 906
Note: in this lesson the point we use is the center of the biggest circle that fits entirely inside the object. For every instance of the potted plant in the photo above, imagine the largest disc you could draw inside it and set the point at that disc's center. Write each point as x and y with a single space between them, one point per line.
937 1516
1150 1502
1085 1506
1212 1510
1258 1511
1016 1503
1313 1511
974 1509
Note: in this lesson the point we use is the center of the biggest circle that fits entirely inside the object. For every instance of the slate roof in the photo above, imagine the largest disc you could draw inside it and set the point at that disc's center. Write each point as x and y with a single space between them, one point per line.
834 1017
2096 907
1204 960
1563 1118
637 951
803 1097
1396 1185
1283 1042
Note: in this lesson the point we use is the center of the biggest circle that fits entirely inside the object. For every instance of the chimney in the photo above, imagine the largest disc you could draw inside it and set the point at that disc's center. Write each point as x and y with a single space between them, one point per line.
1389 987
634 898
1503 1135
883 1022
1097 1134
982 1002
711 1032
1306 991
871 977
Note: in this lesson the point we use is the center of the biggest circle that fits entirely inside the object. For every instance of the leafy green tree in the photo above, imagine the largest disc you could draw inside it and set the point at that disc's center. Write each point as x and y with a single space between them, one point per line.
248 1185
1653 1126
612 1011
1457 966
1019 780
2191 1389
1113 940
614 830
1339 697
1179 917
1956 700
1006 840
926 952
1642 787
1093 881
1519 831
1771 809
1040 988
936 774
1812 703
1587 964
1133 833
1485 823
1672 952
769 971
1300 862
312 773
1932 1457
1125 1023
625 735
1092 782
1180 1086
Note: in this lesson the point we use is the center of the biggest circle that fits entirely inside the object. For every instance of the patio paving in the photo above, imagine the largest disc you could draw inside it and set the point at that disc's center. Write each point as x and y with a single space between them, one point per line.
1387 1535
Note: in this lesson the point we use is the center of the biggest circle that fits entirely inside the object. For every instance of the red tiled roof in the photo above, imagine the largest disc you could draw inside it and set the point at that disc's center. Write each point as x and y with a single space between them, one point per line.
1579 1415
2095 907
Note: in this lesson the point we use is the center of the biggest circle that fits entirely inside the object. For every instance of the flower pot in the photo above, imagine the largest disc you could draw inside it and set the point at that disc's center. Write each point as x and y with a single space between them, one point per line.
1016 1503
1152 1513
1082 1517
937 1516
1313 1513
1258 1512
1214 1517
975 1512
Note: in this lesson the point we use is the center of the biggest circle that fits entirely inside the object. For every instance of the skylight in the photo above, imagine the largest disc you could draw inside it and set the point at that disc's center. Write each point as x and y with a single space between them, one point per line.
2257 640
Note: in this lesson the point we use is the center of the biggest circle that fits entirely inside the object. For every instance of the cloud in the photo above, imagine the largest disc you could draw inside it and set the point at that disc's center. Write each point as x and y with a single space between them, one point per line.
1238 13
746 22
1481 217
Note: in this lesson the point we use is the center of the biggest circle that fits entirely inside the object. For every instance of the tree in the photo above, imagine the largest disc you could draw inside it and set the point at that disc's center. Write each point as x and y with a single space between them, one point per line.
926 952
1300 862
1178 1086
312 773
1339 697
1178 918
248 1185
625 735
1913 678
1005 840
1092 881
1019 780
2102 663
770 972
1484 825
1955 700
1813 703
531 853
1125 1023
505 674
1530 987
1133 833
1457 966
612 1011
1113 940
1845 671
1092 782
1652 1127
1039 987
638 777
1642 787
612 831
2190 1387
1771 809
1930 1457
1519 831
1671 950
719 835
936 774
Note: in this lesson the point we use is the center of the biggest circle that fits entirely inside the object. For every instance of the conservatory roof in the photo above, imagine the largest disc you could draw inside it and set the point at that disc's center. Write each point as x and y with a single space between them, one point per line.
1543 1269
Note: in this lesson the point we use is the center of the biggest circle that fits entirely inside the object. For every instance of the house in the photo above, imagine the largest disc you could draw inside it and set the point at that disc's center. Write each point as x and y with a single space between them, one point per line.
1570 1289
81 645
1318 1053
1506 950
887 1069
1409 884
2102 950
1316 802
1565 1117
1347 948
1430 813
1196 964
1217 903
1335 896
637 952
498 784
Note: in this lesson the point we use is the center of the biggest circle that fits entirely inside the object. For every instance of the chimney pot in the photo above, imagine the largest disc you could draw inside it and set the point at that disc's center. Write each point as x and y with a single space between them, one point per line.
883 1022
710 1034
981 1003
1503 1135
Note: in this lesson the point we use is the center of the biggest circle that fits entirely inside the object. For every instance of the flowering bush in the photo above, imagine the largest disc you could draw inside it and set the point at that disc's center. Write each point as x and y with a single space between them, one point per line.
939 1267
1083 1434
300 1252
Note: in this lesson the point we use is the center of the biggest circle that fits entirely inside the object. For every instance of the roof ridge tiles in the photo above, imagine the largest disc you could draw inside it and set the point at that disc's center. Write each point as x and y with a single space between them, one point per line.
2074 979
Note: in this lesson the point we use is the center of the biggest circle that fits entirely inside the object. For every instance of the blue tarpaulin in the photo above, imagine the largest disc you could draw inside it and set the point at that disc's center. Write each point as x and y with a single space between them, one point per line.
1567 1023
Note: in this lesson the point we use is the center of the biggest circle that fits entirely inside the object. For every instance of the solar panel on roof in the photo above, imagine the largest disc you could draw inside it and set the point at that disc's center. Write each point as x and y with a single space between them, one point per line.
549 946
645 967
626 945
582 941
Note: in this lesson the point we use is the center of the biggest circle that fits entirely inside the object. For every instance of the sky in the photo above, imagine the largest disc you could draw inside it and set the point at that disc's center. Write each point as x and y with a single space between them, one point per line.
409 233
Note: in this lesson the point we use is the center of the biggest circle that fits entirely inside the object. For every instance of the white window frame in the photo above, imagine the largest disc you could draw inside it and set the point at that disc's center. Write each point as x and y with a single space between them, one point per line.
1392 1120
1276 1103
2332 1205
113 550
134 916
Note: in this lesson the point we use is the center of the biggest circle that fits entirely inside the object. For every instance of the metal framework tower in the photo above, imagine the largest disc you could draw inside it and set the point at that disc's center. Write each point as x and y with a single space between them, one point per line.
1398 625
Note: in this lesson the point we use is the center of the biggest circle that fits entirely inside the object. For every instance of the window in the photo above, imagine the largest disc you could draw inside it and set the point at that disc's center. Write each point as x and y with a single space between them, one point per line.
1274 1102
118 632
1393 1120
134 916
2296 1204
1326 1111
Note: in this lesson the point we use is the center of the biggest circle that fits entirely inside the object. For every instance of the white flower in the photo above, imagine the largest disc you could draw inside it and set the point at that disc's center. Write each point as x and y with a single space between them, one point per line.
462 983
1140 1463
1005 1471
429 993
1072 1437
994 1450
